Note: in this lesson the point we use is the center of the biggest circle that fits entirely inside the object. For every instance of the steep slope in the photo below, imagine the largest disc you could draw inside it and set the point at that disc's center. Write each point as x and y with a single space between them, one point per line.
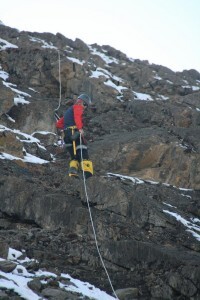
143 140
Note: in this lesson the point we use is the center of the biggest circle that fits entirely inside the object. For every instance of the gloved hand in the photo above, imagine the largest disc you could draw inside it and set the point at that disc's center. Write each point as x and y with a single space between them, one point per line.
81 131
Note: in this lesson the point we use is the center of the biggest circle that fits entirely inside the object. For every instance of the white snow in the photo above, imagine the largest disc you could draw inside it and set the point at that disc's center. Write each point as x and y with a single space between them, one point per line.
131 59
169 81
119 88
186 86
142 96
43 132
152 182
33 90
109 78
20 95
44 43
105 73
107 59
195 88
10 85
69 49
157 77
139 181
26 135
187 196
195 220
76 60
17 281
27 139
4 155
192 228
162 97
169 205
34 159
4 45
20 100
97 73
19 285
27 158
184 189
86 289
135 180
9 118
4 75
14 254
185 81
166 184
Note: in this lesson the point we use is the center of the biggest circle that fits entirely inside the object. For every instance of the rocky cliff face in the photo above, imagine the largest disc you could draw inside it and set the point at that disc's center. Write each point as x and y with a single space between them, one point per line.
144 141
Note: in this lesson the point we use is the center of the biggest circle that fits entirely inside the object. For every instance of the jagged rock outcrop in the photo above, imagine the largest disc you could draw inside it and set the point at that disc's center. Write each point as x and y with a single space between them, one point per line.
144 141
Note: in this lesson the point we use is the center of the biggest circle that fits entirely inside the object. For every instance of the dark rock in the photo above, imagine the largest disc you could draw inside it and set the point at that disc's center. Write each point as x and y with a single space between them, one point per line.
58 294
147 221
4 249
127 294
162 291
7 266
3 296
182 285
35 285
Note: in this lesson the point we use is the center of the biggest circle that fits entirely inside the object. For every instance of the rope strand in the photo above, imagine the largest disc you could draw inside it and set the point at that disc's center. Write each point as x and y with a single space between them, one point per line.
92 223
60 86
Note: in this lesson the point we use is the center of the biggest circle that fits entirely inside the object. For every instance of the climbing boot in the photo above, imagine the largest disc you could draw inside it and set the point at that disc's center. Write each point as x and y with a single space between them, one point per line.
87 167
73 168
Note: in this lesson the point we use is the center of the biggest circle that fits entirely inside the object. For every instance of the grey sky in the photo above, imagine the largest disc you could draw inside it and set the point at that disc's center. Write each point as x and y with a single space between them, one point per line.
163 32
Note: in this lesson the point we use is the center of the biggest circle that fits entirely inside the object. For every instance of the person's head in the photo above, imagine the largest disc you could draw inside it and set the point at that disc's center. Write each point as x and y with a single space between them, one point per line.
86 99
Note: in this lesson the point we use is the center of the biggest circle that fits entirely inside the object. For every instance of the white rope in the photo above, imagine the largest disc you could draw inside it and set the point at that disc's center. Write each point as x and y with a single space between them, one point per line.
60 86
94 232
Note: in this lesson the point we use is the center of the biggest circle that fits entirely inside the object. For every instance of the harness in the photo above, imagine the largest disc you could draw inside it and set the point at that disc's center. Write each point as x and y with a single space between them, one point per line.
73 141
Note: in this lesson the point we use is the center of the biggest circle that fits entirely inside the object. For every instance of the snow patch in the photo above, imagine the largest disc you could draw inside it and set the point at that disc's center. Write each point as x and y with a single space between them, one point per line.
142 96
44 43
192 228
4 45
76 60
18 279
107 59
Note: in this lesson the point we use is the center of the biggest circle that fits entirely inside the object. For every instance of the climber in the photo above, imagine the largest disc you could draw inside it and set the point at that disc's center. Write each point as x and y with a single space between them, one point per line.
60 123
72 124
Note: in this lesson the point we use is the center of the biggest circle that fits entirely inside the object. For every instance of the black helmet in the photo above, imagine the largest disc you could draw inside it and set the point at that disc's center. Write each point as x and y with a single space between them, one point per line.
86 99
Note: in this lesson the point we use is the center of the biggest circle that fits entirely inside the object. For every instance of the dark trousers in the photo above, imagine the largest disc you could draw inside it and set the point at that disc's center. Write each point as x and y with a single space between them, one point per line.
80 146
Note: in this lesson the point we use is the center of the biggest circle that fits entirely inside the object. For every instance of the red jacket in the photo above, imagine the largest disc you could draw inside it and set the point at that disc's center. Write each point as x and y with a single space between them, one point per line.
74 116
60 123
78 115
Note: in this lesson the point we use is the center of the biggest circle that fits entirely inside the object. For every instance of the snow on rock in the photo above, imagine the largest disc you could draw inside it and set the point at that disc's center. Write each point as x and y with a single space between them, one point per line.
4 45
19 280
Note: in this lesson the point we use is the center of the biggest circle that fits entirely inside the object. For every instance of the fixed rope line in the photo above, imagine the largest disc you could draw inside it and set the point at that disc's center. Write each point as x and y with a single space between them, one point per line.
92 223
60 85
